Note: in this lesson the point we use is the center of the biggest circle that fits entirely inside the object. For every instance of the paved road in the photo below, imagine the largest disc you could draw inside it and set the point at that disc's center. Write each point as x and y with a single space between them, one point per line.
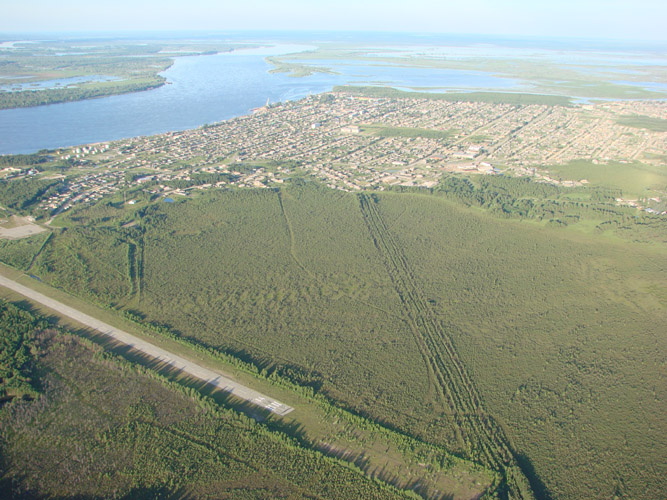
178 362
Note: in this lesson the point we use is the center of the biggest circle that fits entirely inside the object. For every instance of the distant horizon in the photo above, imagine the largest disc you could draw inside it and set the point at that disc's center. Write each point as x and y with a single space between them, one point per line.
8 36
589 19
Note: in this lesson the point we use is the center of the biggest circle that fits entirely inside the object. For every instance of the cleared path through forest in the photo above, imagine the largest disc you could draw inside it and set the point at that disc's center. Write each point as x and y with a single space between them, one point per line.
154 351
485 440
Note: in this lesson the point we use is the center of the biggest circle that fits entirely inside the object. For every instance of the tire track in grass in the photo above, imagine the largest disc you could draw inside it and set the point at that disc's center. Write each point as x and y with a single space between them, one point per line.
39 252
311 274
290 232
483 437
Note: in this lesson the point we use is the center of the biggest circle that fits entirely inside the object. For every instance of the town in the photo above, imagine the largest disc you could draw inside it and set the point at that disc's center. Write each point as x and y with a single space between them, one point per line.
352 142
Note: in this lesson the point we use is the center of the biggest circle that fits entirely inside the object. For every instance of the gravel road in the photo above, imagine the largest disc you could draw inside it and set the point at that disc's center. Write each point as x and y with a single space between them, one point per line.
178 362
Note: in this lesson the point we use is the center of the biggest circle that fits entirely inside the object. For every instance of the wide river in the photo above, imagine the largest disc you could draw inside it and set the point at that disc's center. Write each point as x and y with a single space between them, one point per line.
201 90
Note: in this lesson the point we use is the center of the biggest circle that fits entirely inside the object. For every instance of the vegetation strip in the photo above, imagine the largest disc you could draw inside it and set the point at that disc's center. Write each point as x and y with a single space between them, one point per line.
167 357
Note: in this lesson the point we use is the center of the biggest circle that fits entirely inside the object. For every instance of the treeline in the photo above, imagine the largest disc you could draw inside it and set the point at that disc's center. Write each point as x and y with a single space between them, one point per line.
512 197
17 352
30 98
306 383
523 198
303 381
520 197
23 194
197 179
22 160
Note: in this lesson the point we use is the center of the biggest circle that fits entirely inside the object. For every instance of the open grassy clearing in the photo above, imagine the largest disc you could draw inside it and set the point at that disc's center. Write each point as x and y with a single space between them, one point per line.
633 179
385 131
647 122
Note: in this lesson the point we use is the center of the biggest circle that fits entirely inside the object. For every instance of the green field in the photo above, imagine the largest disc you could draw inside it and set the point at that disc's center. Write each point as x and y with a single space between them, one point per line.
561 333
506 340
384 131
647 122
632 179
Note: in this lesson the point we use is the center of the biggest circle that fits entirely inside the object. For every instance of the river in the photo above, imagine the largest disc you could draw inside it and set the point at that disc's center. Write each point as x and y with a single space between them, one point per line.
200 90
211 88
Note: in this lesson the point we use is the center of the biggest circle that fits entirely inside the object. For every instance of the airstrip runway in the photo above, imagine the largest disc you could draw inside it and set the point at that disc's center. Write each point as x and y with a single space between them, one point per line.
186 366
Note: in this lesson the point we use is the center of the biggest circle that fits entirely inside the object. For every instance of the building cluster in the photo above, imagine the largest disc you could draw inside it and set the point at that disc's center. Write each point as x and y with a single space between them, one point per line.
353 143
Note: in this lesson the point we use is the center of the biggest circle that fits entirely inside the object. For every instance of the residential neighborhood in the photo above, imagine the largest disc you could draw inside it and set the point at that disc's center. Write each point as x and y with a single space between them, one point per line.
352 143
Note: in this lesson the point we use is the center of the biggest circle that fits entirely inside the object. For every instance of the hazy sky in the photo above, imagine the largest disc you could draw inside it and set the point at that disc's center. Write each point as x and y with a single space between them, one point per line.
616 19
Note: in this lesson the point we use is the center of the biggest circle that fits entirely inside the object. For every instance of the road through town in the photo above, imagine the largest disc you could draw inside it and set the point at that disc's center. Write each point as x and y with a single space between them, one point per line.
152 350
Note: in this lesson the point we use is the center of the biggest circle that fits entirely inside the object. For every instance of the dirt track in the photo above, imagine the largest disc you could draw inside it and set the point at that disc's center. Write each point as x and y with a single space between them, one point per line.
20 227
178 362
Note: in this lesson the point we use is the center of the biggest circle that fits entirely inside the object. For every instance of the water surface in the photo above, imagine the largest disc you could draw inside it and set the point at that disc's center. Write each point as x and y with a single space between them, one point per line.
201 89
212 88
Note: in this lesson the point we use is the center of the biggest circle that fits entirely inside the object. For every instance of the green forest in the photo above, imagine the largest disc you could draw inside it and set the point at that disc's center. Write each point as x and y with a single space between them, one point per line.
92 90
102 427
17 354
515 324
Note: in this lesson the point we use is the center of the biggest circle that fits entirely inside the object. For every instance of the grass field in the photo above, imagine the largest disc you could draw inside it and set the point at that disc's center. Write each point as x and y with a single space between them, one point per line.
633 179
511 342
647 122
384 131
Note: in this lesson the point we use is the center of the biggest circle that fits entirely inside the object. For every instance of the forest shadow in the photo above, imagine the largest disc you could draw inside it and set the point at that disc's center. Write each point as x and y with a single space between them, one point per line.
217 394
539 488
